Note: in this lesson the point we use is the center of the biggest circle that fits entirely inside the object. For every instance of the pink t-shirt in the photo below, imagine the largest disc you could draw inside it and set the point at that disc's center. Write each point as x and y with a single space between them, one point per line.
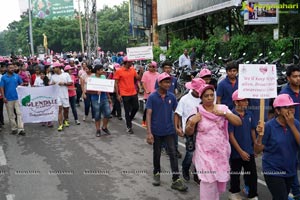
72 88
148 80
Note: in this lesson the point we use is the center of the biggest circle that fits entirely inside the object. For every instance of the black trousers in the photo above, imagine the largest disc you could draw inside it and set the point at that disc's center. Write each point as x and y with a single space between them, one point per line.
116 106
131 106
250 174
1 112
279 186
170 141
78 92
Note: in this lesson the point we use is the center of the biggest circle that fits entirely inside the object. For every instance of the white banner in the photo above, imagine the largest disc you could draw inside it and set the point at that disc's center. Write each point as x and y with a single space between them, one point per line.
140 53
98 84
257 81
38 104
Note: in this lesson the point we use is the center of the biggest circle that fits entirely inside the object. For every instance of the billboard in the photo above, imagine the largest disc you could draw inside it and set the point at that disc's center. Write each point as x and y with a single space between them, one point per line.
49 9
258 12
169 11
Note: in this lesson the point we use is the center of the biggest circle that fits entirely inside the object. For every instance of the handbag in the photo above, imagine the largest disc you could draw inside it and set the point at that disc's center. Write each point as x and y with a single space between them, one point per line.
191 139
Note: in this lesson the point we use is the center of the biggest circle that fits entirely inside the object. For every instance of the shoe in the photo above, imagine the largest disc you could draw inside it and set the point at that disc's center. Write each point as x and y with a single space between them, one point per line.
178 154
78 105
50 125
179 185
186 175
129 130
14 132
60 128
106 131
22 133
246 190
156 179
84 117
66 123
93 119
196 178
120 118
98 133
256 198
77 122
235 196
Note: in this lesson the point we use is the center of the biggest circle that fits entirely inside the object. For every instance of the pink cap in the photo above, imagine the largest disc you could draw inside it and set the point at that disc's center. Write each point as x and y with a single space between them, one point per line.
68 67
283 100
203 88
56 64
195 84
153 64
47 63
163 76
125 59
204 72
235 96
117 66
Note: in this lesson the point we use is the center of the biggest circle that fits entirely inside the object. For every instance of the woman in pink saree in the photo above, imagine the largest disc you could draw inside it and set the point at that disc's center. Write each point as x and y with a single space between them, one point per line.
212 152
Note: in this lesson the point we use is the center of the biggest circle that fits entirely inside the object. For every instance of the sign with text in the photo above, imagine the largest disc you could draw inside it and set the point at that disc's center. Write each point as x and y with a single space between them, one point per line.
140 53
257 81
99 84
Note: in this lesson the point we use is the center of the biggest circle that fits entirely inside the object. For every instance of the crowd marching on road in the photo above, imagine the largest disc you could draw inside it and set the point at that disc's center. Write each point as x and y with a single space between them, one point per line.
222 131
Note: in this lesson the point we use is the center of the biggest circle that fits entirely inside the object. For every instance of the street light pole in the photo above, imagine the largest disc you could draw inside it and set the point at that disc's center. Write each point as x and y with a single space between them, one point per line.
30 28
80 25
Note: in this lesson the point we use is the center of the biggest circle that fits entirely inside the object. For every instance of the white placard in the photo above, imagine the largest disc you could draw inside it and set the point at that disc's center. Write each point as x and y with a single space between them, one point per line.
140 53
257 81
98 84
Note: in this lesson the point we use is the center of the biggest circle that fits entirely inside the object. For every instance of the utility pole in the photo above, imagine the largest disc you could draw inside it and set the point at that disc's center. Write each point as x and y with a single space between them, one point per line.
91 28
30 28
80 26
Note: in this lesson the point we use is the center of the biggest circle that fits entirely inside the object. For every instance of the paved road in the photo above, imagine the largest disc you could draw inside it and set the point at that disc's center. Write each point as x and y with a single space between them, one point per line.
75 165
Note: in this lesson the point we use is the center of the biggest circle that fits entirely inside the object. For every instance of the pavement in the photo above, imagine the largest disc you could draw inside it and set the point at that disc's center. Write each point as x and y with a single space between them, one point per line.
75 165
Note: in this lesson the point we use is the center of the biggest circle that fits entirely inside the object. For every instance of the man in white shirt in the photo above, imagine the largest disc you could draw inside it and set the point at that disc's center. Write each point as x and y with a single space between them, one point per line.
184 59
62 80
185 107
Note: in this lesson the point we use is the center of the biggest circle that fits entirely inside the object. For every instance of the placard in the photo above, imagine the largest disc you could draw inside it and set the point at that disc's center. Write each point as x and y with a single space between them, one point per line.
98 84
140 53
257 81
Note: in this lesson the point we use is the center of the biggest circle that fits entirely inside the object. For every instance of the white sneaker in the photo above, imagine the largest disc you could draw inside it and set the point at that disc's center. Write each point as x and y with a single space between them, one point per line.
93 119
235 196
84 117
77 122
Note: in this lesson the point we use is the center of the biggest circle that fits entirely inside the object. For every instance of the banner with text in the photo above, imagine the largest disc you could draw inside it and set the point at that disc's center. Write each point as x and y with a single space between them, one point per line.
38 104
257 81
99 84
140 53
49 9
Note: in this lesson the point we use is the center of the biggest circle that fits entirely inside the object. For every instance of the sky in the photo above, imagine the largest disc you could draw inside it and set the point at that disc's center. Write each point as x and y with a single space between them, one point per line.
10 10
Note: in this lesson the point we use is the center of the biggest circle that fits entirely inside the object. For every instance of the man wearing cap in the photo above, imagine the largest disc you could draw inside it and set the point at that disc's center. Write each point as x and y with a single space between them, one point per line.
148 84
9 82
293 89
227 86
185 106
160 107
63 80
241 140
125 90
279 140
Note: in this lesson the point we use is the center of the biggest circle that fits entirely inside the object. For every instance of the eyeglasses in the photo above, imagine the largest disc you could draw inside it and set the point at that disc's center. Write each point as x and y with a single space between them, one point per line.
288 107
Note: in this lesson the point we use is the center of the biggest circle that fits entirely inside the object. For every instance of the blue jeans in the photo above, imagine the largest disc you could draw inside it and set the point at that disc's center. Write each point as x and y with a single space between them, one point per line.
87 105
101 108
72 101
187 161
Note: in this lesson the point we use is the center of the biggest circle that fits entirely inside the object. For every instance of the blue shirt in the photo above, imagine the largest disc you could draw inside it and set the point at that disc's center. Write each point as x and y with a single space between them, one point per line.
10 84
172 87
242 134
280 151
254 107
225 90
296 98
162 113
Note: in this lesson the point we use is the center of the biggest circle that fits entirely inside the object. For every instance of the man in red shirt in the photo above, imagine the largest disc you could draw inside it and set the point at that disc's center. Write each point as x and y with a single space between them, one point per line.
125 78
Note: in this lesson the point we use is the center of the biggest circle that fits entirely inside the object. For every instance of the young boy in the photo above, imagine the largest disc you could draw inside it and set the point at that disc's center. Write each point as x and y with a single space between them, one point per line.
160 107
242 153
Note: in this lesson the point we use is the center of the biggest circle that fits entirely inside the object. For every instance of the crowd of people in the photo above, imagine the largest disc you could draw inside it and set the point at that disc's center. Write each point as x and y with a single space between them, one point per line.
227 134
